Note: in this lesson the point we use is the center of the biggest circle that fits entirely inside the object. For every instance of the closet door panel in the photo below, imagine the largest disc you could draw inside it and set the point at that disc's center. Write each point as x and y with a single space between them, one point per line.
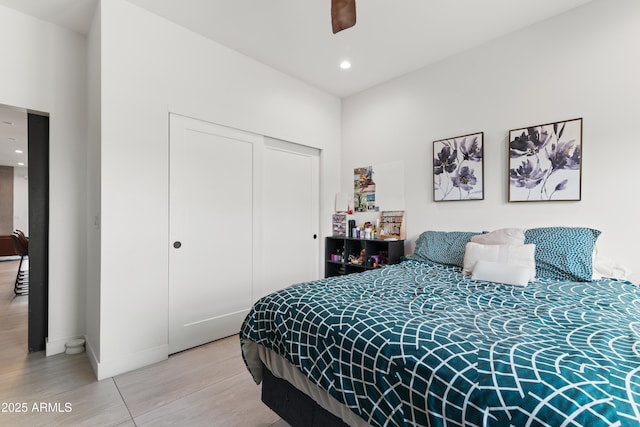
211 217
290 215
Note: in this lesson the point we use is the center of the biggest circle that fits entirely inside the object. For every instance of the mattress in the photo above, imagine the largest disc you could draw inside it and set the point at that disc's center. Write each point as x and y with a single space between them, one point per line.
281 368
419 344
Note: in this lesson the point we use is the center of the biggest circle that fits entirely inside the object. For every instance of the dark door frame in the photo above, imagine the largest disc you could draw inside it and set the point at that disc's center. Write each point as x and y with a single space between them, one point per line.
38 172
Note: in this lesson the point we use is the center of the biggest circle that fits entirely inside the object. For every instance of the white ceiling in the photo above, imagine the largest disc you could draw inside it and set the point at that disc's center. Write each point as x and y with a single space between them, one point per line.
390 38
75 15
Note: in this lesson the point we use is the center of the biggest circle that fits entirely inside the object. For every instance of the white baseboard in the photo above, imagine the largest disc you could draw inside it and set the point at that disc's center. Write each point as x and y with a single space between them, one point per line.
127 362
91 355
57 346
113 367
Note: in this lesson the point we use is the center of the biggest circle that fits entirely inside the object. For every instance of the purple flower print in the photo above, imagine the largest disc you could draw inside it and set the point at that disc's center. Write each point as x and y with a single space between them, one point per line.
564 155
473 153
464 179
526 175
445 161
545 161
529 144
457 168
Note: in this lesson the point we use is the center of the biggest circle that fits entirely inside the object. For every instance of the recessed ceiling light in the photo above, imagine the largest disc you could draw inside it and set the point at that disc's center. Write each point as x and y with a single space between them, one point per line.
345 65
20 164
19 151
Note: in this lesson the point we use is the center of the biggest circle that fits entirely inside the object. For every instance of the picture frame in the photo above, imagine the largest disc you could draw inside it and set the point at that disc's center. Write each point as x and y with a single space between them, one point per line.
545 162
391 225
364 190
339 221
458 168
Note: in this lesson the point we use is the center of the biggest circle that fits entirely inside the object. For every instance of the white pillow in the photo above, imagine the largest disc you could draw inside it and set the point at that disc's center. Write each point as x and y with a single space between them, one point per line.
509 274
520 255
503 236
605 267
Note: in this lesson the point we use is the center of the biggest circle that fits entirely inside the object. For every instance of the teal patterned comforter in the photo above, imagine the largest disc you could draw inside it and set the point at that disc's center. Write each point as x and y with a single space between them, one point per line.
420 344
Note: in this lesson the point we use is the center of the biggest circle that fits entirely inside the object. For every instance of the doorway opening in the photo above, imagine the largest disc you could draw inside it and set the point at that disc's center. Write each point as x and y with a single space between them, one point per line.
28 152
38 141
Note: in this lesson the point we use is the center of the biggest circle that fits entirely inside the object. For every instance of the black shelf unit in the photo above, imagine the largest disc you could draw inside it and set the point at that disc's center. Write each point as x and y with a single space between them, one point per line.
389 250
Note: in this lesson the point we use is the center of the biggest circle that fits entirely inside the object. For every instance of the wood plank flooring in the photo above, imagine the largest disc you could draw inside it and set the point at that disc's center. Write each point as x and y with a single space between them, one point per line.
205 386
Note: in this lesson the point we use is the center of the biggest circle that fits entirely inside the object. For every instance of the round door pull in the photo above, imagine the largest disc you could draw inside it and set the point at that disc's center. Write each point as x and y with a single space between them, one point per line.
177 244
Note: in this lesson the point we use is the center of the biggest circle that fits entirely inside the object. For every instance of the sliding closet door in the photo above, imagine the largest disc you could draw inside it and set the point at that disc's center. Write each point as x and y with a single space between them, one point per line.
290 215
210 229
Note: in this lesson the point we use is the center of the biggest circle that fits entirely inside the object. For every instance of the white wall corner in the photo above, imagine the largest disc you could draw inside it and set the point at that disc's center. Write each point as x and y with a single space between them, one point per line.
129 362
58 346
91 355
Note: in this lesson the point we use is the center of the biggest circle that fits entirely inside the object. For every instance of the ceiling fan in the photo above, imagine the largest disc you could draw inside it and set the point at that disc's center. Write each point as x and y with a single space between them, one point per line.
343 14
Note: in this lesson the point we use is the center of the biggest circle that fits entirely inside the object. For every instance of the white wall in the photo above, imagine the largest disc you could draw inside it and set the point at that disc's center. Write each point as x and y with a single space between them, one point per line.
20 199
44 70
150 67
93 186
584 63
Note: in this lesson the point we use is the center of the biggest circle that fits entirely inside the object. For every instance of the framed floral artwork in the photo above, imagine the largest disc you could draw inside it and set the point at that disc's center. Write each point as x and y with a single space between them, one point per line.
545 162
458 168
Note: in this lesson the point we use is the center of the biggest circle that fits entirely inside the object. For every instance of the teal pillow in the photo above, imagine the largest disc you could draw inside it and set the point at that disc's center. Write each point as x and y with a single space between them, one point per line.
443 247
563 252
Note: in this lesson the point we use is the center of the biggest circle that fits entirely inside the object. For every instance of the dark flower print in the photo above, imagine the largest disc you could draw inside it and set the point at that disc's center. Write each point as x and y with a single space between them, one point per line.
529 144
464 179
526 175
564 155
445 161
561 186
473 153
455 176
545 161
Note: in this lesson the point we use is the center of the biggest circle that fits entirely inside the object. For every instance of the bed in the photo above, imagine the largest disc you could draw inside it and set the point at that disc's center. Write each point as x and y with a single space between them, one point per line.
426 343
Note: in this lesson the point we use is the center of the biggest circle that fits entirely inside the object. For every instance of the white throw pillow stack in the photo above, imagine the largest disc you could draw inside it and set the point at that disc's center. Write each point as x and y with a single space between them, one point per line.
500 256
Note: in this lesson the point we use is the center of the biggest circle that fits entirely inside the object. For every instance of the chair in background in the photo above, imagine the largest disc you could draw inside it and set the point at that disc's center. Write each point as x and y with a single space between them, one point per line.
21 246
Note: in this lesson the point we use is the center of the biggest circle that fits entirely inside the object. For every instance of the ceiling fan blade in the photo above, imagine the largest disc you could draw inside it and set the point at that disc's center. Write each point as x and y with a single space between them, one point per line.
343 14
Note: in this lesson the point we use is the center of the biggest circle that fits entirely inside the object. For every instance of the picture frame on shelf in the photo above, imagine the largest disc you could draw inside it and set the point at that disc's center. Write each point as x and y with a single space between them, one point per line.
339 224
391 225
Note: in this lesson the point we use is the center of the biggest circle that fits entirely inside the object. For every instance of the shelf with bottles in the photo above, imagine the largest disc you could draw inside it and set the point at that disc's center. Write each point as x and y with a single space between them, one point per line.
345 255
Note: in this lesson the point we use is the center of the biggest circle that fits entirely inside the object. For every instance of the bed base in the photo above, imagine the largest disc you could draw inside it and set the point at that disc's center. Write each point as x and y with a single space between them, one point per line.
294 406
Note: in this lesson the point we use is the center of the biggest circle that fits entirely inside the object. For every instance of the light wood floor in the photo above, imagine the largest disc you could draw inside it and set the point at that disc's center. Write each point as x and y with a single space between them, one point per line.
205 386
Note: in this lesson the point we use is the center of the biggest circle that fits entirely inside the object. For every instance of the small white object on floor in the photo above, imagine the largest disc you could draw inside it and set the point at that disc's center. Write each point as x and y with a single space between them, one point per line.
74 346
